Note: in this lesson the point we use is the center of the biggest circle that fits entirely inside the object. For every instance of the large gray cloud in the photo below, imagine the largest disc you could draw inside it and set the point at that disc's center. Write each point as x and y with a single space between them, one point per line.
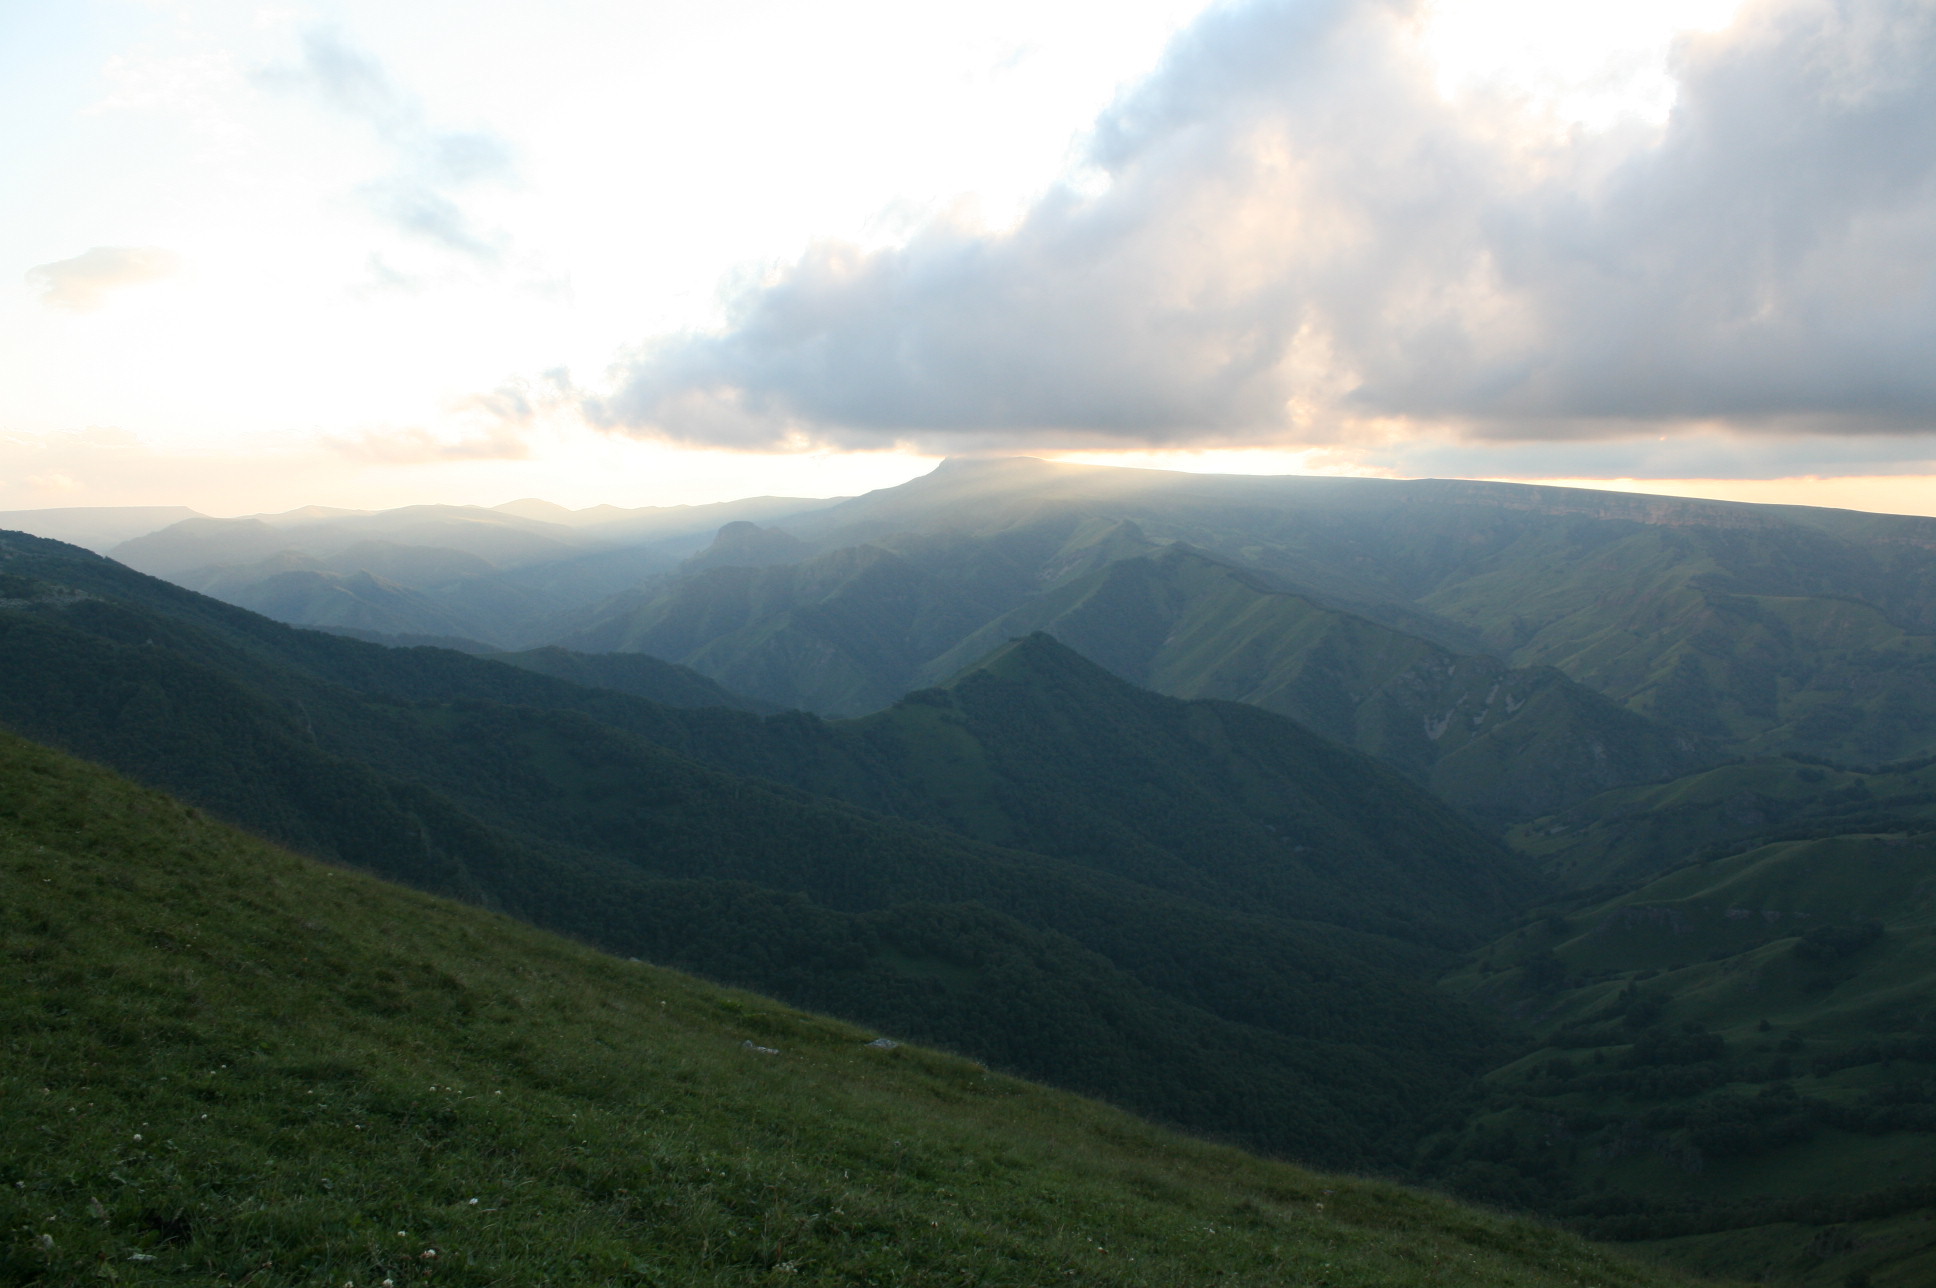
1301 241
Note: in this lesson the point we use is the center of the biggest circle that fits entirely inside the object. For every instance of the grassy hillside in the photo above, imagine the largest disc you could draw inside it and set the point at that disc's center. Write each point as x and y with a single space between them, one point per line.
225 1063
1735 1060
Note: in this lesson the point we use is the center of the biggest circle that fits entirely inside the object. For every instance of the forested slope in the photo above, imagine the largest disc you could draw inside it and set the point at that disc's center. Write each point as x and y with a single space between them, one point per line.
226 1063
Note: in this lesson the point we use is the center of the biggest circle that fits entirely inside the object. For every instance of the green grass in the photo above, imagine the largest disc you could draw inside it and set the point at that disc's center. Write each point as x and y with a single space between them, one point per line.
1735 1062
226 1063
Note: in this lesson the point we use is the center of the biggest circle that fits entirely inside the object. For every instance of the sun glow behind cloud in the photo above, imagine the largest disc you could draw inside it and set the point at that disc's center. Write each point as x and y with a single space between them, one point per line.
1595 65
351 301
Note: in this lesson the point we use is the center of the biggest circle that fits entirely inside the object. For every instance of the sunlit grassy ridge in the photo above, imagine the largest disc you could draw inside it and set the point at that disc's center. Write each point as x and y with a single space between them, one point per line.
220 1062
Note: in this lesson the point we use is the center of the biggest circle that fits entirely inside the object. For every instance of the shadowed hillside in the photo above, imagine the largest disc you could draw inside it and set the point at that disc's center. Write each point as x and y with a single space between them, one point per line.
224 1062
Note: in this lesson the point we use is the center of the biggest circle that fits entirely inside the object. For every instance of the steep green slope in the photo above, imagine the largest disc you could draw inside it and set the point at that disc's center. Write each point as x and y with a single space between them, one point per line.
841 634
1735 1060
638 674
472 778
223 1063
1634 833
1778 628
1035 746
1502 743
1774 640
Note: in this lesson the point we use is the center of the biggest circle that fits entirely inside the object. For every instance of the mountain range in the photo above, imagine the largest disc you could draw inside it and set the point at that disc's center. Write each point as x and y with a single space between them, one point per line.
1567 850
1252 1005
1516 649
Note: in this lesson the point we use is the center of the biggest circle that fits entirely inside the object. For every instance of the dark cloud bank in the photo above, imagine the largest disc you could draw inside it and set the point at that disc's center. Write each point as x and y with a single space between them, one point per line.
1300 240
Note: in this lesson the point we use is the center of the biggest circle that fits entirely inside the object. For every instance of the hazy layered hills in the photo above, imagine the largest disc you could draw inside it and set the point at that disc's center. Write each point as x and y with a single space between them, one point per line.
1279 1006
1503 742
1732 628
226 1063
499 575
1517 648
849 630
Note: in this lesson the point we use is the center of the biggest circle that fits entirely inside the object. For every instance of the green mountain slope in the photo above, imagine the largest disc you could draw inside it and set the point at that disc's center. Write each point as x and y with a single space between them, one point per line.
1735 1060
1632 834
1036 747
638 674
1500 742
1783 638
226 1064
547 799
841 634
1774 628
1757 629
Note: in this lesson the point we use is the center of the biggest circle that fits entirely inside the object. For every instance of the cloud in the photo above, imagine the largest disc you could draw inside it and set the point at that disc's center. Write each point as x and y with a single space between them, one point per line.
495 426
1298 239
83 284
422 196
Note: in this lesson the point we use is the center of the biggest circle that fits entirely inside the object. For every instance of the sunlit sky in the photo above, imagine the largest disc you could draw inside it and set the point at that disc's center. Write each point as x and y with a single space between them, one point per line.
254 256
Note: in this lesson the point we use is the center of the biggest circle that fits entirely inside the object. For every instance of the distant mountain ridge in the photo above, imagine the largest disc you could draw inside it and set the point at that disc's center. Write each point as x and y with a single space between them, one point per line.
1728 628
1720 628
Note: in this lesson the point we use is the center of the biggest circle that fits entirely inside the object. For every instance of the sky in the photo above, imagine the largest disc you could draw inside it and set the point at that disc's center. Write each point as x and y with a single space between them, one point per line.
645 252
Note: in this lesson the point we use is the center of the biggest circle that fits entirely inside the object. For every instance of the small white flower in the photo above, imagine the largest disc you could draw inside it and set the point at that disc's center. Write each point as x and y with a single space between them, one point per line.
473 1202
137 1135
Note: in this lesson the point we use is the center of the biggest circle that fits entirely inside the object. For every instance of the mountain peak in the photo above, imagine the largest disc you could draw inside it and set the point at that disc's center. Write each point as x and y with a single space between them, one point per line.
745 544
1034 658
